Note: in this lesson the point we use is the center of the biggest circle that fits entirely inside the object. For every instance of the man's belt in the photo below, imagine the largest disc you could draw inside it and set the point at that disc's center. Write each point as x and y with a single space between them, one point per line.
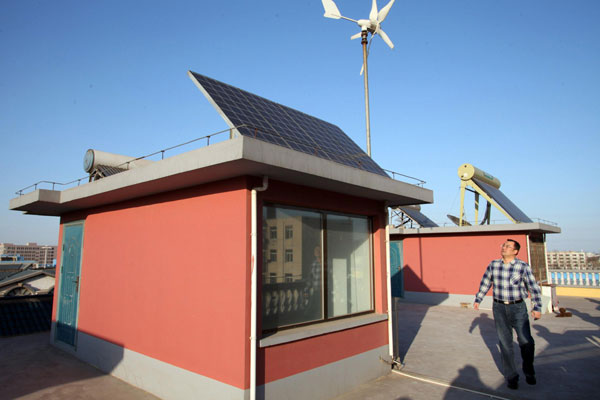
508 302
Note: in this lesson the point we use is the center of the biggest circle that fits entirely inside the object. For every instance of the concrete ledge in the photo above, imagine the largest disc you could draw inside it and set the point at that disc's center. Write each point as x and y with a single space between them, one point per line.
224 160
305 332
452 230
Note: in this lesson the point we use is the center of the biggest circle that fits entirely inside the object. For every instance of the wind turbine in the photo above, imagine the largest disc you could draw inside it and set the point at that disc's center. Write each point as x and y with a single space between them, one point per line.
372 26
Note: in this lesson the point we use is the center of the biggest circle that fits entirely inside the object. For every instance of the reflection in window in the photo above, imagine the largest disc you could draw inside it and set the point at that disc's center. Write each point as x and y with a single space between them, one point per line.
349 267
273 255
293 287
289 231
289 255
293 297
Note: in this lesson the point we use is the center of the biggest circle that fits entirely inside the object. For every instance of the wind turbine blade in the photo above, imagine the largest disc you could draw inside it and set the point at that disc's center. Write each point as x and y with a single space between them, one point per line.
385 38
331 10
384 11
356 36
373 14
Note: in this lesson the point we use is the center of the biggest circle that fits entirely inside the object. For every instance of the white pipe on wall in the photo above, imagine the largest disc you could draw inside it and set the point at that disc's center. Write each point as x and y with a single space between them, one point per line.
254 284
389 283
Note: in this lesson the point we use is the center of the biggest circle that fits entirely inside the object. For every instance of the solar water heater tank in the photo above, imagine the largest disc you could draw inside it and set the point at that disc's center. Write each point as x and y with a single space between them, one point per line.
469 171
94 158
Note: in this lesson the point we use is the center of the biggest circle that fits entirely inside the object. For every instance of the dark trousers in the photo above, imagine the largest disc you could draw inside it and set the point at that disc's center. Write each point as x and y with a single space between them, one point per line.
508 317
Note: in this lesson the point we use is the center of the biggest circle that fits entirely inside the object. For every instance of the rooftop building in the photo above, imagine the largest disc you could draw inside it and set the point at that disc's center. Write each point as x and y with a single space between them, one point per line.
569 260
43 255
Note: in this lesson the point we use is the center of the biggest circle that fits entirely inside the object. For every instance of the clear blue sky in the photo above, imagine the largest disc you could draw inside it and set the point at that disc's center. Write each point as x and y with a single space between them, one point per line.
512 87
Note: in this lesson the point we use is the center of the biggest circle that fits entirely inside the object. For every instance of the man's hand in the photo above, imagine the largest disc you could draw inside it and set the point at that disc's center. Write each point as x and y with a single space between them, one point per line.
536 314
476 306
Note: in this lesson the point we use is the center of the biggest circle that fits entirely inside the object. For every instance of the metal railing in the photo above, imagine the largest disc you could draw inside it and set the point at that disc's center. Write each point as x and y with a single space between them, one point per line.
126 164
255 132
419 183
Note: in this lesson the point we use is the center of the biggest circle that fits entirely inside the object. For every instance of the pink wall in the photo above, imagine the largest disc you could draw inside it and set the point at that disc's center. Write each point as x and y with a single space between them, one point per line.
278 362
167 276
452 263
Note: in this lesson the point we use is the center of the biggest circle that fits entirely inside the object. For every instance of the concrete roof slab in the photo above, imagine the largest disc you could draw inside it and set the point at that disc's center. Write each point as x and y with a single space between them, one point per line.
451 230
235 157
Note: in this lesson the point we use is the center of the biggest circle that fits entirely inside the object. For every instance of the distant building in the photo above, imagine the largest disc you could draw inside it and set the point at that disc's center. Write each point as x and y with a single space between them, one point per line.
564 267
41 254
568 260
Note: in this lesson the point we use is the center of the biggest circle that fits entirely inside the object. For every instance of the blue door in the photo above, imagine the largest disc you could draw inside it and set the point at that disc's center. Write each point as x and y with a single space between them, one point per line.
396 272
66 321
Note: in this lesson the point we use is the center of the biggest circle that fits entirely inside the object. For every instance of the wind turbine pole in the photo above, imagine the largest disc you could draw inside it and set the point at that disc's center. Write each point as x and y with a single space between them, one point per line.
364 41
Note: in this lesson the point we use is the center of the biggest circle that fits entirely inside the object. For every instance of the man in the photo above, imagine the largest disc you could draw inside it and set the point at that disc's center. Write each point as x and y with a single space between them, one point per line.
512 279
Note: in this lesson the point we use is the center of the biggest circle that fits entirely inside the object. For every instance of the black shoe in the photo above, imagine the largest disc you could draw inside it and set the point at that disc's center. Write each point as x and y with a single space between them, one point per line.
530 379
513 383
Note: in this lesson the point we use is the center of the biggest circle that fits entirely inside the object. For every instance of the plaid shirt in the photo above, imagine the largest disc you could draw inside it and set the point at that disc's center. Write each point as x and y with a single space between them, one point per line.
510 284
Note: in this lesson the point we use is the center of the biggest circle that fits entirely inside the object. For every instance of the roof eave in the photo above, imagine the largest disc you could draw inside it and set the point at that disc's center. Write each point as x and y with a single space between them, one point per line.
525 227
235 157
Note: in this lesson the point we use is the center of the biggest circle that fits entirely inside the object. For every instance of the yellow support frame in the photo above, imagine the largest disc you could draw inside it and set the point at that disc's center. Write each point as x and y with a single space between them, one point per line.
478 191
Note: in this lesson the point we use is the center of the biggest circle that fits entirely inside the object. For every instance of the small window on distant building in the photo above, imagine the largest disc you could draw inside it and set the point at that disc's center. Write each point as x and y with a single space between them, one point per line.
273 277
273 232
289 255
272 255
289 231
288 277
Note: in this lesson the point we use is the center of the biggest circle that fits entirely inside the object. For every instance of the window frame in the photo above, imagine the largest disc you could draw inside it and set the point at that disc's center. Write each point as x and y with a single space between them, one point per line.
324 259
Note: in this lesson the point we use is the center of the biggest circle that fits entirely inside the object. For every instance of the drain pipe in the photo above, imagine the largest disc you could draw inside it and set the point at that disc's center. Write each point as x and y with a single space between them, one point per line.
254 284
389 282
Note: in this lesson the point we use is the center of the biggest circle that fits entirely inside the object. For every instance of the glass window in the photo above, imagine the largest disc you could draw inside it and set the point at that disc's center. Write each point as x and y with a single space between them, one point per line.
273 232
289 231
349 267
297 295
293 289
289 255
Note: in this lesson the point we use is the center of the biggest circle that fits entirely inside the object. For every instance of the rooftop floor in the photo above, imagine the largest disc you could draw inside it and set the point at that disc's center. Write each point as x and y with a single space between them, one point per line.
444 350
452 348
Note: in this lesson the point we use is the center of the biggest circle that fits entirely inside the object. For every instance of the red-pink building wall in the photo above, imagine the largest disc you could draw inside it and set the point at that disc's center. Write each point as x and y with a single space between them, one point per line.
168 276
452 263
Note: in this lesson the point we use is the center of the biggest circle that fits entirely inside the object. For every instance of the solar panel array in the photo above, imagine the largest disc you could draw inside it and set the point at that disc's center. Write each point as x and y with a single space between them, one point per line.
503 201
257 117
418 217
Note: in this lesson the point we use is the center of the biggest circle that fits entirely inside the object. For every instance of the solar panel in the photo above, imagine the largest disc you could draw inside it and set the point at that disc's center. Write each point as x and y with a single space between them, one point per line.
418 217
503 201
257 117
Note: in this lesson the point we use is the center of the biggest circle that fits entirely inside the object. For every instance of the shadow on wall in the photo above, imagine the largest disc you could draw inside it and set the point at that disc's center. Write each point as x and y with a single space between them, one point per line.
31 364
408 319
